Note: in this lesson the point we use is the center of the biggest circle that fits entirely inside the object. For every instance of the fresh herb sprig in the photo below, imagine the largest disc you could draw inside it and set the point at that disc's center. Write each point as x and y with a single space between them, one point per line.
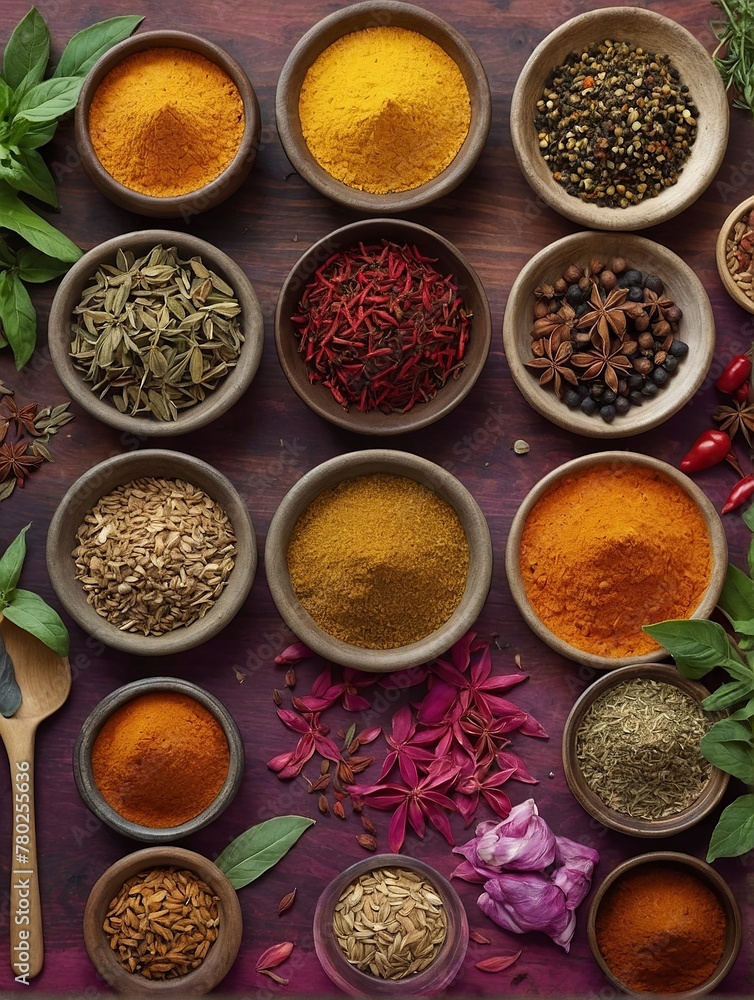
25 609
698 646
30 107
734 55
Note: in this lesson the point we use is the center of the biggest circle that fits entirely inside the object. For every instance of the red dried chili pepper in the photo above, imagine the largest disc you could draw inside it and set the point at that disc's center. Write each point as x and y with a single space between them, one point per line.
709 448
734 374
741 394
740 493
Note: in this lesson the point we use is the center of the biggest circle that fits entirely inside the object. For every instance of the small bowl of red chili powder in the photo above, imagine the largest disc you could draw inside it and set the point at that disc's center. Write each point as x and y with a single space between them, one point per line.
665 923
382 327
158 759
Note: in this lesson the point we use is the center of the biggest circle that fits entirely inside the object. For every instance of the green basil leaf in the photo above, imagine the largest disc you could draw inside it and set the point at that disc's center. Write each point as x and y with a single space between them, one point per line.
50 99
728 695
252 853
734 833
748 517
743 627
6 96
34 136
10 692
85 48
743 714
737 598
35 230
11 562
699 645
7 257
33 177
18 317
729 745
31 613
35 266
27 51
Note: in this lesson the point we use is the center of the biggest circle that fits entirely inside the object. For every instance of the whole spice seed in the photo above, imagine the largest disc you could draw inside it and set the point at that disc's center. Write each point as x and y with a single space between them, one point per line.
607 340
154 555
381 327
286 902
638 748
162 923
157 333
390 922
739 257
615 125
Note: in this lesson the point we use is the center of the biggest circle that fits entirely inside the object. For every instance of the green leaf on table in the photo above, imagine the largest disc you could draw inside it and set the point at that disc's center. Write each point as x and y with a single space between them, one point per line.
697 646
86 46
11 562
36 267
737 598
50 99
31 613
6 96
10 692
734 833
27 51
728 694
28 172
18 317
19 218
252 853
34 136
748 517
729 745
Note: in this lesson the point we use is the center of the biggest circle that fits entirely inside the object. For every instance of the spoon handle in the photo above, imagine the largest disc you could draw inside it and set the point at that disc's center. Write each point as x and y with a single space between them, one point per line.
26 942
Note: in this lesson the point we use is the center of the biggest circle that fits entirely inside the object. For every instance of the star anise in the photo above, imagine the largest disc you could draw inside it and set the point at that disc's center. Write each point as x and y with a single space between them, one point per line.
22 416
606 318
736 417
655 305
554 365
16 461
607 362
557 326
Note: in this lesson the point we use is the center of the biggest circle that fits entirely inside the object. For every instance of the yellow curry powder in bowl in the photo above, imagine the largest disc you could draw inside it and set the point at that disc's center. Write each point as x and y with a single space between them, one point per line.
612 547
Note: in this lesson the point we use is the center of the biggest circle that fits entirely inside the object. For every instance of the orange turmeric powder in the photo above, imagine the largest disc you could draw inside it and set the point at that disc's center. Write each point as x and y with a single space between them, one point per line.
160 759
166 121
609 549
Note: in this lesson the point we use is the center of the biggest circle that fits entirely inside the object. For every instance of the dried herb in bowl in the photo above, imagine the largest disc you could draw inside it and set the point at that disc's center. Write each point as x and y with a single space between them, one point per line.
156 333
615 124
382 328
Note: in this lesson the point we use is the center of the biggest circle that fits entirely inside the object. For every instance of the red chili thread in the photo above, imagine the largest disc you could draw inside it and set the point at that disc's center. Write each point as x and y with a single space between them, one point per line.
381 327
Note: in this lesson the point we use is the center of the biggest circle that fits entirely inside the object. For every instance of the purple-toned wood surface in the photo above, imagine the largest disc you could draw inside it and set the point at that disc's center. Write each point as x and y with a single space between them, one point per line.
269 439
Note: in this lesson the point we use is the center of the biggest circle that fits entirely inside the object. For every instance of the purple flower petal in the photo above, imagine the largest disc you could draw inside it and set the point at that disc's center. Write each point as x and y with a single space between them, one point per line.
522 842
396 833
293 721
403 725
529 902
436 703
327 748
467 872
497 799
574 873
439 820
355 703
369 735
293 653
507 760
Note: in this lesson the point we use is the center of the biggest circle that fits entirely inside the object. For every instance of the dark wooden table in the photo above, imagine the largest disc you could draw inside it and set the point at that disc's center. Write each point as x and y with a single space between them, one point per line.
270 439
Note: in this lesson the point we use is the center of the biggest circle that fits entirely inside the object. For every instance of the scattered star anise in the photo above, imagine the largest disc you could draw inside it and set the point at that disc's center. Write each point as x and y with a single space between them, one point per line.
607 362
557 326
16 461
607 317
655 305
736 417
21 416
554 365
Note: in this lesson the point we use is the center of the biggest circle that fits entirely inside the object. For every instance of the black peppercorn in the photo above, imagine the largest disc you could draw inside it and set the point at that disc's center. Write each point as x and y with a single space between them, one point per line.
588 405
633 277
678 349
660 376
635 381
572 398
654 284
608 396
574 296
670 363
622 405
607 413
635 294
636 397
650 389
597 389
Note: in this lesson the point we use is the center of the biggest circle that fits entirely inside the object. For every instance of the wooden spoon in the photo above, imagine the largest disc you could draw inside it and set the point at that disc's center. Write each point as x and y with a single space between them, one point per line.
45 681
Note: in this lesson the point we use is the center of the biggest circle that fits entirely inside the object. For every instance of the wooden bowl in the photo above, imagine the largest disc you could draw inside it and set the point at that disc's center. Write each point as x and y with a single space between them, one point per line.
229 389
102 479
450 261
718 544
708 800
187 205
355 18
693 866
697 329
721 252
221 955
90 730
656 34
434 979
362 463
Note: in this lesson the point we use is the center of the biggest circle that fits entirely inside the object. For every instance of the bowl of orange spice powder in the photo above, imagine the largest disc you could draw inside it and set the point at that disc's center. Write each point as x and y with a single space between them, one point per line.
158 759
167 124
608 543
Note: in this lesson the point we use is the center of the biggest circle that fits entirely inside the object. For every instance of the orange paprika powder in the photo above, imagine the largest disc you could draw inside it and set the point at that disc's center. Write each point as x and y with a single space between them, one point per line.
661 929
160 759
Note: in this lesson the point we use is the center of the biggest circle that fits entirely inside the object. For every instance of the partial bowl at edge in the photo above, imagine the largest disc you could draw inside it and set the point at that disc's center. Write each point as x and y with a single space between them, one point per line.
721 255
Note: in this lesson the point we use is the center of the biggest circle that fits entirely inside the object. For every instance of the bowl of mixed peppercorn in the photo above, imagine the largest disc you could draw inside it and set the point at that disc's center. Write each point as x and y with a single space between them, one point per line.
382 327
608 334
619 119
